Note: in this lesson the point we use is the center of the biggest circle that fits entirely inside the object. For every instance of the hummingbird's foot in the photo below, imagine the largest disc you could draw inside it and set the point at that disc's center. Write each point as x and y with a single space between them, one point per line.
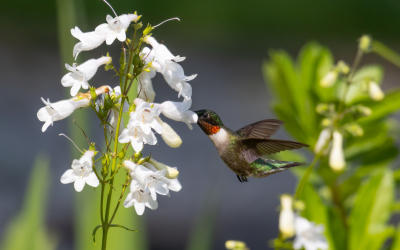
242 178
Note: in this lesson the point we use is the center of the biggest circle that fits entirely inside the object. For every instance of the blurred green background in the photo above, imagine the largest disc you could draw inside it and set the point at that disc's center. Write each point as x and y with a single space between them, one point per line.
225 43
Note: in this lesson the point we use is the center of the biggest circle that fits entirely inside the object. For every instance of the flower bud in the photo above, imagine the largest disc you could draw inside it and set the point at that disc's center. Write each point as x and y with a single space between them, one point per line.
336 158
322 141
235 245
286 216
108 102
147 30
137 156
342 67
136 59
170 137
322 108
375 91
326 122
129 76
104 170
354 129
93 94
171 173
365 43
137 70
329 79
121 154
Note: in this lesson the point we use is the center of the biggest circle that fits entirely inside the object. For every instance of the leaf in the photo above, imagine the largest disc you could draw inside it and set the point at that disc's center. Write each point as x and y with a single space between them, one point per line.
318 212
116 225
94 233
389 105
27 230
396 241
371 212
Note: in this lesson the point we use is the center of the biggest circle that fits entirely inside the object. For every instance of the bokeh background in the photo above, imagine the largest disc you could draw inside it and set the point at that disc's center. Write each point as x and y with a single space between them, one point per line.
225 43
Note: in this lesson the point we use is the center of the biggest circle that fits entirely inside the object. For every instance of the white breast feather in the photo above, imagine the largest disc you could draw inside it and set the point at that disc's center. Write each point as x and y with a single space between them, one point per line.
220 138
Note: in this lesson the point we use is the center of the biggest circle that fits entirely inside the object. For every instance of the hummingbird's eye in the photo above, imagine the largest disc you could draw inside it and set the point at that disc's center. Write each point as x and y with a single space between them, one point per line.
206 115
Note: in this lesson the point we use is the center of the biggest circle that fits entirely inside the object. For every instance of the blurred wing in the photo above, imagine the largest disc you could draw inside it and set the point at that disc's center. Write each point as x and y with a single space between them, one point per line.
262 129
256 148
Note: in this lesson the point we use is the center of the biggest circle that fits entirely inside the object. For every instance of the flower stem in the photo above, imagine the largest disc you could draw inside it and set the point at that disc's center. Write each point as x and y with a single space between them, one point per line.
305 177
386 53
120 198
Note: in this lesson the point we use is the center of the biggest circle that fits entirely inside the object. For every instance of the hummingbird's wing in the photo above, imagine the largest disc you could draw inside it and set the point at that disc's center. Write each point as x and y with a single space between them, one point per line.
255 148
261 129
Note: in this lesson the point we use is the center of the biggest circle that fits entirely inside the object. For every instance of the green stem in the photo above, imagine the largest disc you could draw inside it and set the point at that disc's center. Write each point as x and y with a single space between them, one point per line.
120 198
386 53
305 177
102 203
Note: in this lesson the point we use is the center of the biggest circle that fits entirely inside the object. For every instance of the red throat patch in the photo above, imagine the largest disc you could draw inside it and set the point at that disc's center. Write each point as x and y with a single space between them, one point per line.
208 128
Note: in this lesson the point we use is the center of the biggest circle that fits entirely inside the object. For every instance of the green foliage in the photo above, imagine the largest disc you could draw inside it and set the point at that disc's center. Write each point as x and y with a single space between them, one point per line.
354 204
27 230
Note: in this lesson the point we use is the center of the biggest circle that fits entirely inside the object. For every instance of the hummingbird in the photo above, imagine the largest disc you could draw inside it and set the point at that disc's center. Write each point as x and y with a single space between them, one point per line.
244 150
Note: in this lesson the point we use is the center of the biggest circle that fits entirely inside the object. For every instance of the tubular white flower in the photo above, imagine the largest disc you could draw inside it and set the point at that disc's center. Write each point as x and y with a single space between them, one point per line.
145 115
116 27
170 137
173 72
179 111
323 139
59 110
80 75
150 180
173 184
329 79
309 235
375 92
88 41
170 173
286 216
137 136
336 158
139 198
81 172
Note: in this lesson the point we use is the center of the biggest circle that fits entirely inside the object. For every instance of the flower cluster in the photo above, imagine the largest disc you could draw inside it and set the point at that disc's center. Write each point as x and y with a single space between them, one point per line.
145 176
147 182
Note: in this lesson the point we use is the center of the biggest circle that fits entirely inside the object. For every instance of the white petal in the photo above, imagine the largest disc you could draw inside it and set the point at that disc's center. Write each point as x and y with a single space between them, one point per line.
47 124
75 89
121 36
336 158
79 184
92 180
68 177
111 38
129 201
139 207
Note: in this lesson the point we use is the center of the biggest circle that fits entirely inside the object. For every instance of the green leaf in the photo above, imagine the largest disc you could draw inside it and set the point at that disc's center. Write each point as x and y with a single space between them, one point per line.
27 230
318 212
371 212
389 105
396 241
116 225
94 233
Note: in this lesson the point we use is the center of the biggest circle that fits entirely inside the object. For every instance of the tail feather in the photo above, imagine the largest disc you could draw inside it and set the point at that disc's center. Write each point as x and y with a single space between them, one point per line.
265 167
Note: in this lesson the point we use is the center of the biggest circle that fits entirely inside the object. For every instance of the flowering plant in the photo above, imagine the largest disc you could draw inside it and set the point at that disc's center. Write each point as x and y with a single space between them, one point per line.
144 176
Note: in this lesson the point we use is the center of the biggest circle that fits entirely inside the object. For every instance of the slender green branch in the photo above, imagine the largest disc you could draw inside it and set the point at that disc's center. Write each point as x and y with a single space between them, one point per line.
102 203
120 198
386 53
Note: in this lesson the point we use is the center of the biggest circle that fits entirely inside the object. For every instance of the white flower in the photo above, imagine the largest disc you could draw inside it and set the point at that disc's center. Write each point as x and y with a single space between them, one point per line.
170 173
137 136
145 115
323 139
168 66
172 184
145 86
88 41
286 217
309 235
329 79
80 75
59 110
179 111
336 158
139 198
116 27
150 180
169 135
375 92
81 172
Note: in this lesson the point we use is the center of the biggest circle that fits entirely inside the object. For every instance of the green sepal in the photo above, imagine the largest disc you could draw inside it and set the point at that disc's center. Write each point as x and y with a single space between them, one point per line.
147 30
115 225
137 25
93 94
94 233
136 59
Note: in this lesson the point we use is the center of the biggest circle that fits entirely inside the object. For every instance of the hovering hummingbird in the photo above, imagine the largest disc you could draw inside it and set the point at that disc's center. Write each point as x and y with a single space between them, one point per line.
244 151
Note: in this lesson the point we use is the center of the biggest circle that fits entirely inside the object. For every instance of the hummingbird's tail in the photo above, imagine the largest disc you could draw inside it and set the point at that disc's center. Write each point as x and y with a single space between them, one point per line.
264 167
